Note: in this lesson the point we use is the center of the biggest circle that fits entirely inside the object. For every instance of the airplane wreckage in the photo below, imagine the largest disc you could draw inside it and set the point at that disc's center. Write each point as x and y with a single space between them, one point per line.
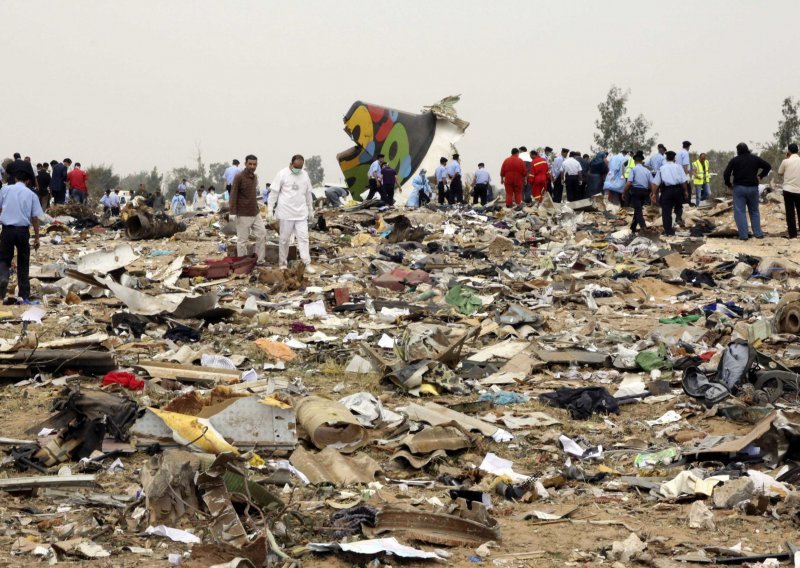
408 141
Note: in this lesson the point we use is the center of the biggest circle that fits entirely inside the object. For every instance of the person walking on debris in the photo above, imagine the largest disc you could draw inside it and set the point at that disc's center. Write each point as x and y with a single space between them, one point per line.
420 190
58 187
453 172
482 180
572 176
670 184
77 179
638 189
182 187
388 184
526 185
655 161
790 170
540 172
701 179
105 201
43 179
615 182
583 160
178 204
230 172
291 190
683 159
747 170
558 176
244 210
598 168
547 154
19 209
374 175
511 173
443 192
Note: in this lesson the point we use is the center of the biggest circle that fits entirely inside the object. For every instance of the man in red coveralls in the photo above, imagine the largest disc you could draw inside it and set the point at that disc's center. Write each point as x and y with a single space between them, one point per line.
512 172
540 171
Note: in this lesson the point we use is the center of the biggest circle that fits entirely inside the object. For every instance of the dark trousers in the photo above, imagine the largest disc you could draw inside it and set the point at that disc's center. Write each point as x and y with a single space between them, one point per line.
791 202
671 200
373 189
44 200
16 238
573 184
387 195
424 198
480 192
558 190
456 190
638 198
59 197
527 191
442 192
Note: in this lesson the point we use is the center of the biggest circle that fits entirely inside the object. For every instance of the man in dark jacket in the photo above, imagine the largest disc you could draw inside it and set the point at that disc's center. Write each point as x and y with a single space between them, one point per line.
43 184
19 165
747 170
58 181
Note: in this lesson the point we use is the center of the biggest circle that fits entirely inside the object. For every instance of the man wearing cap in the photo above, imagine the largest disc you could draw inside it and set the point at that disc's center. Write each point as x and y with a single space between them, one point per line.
637 188
790 170
655 161
453 172
701 178
747 171
557 172
511 173
572 176
374 175
482 180
19 209
539 176
670 184
441 182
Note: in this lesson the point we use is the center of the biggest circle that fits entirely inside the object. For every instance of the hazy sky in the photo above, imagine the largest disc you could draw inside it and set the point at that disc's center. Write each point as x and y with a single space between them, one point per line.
137 83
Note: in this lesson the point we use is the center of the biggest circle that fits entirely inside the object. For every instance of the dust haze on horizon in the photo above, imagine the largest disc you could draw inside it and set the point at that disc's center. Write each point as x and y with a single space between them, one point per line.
137 84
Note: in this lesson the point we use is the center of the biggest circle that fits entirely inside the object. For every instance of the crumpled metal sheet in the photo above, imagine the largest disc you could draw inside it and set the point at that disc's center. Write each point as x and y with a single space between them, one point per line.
329 466
329 423
225 525
435 528
105 261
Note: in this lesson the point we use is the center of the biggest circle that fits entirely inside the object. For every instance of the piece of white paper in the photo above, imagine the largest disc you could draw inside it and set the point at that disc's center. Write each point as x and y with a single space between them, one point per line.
667 418
315 309
501 467
34 314
386 342
176 535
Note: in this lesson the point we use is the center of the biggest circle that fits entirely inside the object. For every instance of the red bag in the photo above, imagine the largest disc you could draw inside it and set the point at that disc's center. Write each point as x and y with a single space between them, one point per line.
124 378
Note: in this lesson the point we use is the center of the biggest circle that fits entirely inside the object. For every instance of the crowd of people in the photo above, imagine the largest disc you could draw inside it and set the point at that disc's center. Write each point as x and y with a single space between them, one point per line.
667 178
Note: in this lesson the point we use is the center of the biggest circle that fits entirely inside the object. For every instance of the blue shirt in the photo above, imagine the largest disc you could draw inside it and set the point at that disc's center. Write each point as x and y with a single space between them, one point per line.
671 174
452 169
482 176
640 177
682 159
375 170
19 205
439 173
557 164
113 200
230 173
655 161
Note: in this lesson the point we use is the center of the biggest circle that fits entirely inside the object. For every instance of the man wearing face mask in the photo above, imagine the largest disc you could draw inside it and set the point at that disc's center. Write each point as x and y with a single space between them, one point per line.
291 190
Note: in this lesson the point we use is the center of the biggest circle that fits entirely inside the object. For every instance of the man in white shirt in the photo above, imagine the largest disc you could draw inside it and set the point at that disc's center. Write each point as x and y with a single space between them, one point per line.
790 170
572 176
230 173
291 190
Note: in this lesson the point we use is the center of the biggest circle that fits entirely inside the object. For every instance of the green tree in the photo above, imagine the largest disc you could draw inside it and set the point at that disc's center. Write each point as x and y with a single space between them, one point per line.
616 130
789 125
315 170
215 174
195 177
717 160
131 182
153 181
100 178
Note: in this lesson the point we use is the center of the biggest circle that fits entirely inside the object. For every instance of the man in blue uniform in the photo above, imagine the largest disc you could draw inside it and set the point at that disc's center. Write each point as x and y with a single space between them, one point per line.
19 209
670 185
